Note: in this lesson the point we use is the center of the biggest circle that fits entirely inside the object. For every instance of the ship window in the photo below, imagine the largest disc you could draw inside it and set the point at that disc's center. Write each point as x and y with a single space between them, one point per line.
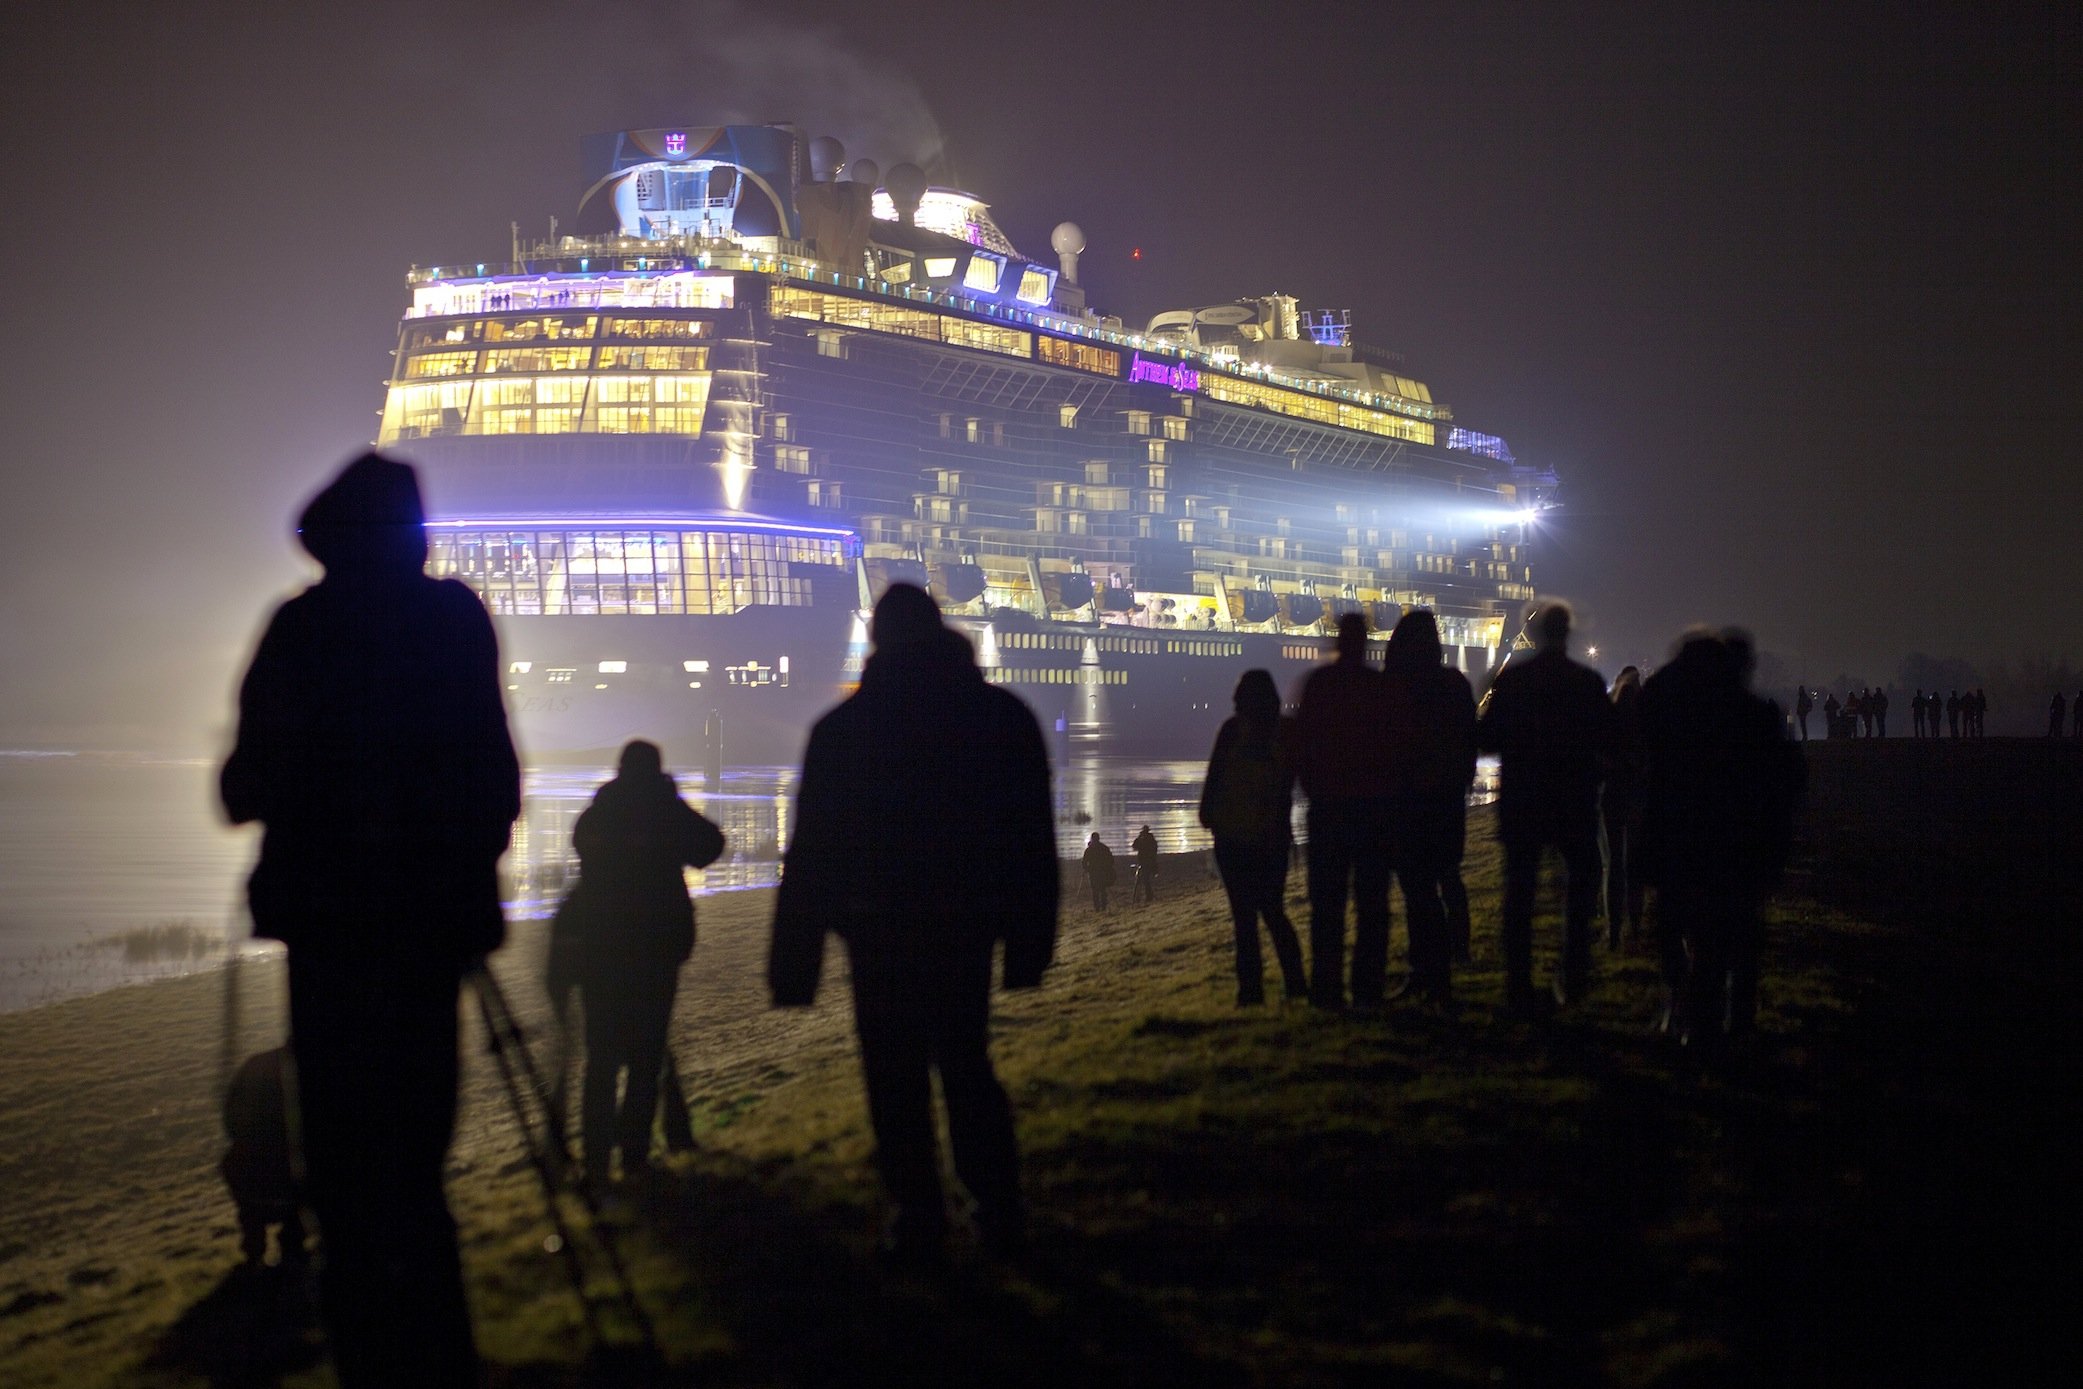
1156 474
1034 286
1096 472
939 267
1174 427
646 329
972 430
1138 421
947 426
538 359
789 458
1157 451
983 273
1067 415
441 364
784 428
831 345
654 358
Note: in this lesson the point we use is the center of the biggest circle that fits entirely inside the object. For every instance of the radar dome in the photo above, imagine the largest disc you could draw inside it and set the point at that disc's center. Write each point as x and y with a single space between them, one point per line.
865 171
826 155
906 184
1068 239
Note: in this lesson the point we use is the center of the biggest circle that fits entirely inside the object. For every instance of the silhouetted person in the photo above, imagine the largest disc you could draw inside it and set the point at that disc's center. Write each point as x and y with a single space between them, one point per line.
2076 715
924 837
1804 703
1099 870
1916 712
372 745
1723 781
1247 803
1551 726
1981 713
1880 713
1341 760
1145 846
1621 803
1953 713
1429 722
633 844
2056 708
258 1166
1831 711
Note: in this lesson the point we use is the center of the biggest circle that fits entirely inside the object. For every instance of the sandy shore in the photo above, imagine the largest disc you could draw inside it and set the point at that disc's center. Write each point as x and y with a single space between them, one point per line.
114 1222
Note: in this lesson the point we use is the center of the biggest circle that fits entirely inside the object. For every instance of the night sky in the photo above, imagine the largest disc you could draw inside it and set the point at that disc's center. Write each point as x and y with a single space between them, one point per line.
1787 297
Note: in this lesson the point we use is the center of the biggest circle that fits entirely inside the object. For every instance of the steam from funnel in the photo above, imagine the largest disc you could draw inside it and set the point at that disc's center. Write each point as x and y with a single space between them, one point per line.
1068 240
827 156
906 185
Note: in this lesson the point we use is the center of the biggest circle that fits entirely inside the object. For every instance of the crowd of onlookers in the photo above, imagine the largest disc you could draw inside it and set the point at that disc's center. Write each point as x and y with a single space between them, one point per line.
1863 713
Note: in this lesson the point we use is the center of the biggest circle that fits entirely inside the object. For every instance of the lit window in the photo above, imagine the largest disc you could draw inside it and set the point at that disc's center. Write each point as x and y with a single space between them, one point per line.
973 430
983 273
614 667
520 667
1067 416
1138 421
694 667
1035 286
939 267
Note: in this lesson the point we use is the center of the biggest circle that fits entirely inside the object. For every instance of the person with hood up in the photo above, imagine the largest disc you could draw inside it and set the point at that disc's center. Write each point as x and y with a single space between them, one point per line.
633 844
1430 727
1247 803
924 838
372 745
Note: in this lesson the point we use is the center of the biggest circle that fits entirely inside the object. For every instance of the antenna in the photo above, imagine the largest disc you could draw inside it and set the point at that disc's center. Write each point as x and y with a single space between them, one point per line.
516 228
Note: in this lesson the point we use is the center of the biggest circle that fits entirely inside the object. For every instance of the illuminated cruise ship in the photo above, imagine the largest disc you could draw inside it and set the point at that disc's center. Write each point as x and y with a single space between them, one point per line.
681 449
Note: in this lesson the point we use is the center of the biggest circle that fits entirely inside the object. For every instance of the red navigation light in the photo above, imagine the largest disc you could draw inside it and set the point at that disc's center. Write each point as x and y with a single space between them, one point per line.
1136 254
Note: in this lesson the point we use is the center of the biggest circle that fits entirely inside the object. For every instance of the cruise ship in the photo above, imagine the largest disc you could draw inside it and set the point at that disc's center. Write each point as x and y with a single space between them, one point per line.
680 449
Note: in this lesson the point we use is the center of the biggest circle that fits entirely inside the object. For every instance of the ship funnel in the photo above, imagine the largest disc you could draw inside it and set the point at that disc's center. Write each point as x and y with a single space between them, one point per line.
906 185
827 157
1068 240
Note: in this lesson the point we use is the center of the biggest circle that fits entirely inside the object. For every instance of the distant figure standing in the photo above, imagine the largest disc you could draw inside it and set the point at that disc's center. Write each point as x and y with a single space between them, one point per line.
1916 711
1880 713
1621 803
373 746
1342 762
2056 709
1430 724
633 844
1831 710
1953 713
1145 846
1247 803
1981 713
1804 703
1551 726
1722 787
923 838
1099 870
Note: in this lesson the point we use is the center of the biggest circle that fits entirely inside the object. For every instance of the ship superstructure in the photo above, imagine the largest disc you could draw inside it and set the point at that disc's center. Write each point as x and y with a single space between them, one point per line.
681 449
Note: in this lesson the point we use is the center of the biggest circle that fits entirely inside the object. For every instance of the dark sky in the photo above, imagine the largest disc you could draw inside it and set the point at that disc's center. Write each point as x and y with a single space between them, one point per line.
1789 298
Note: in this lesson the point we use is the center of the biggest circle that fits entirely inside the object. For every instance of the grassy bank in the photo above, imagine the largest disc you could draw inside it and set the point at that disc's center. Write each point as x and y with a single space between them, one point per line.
1226 1196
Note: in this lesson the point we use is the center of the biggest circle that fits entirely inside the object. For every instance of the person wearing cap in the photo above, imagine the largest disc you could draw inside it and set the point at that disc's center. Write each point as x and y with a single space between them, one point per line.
924 839
372 746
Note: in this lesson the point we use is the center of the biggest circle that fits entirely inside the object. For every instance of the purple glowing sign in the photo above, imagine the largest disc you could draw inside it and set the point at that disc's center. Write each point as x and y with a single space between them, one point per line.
1179 378
676 142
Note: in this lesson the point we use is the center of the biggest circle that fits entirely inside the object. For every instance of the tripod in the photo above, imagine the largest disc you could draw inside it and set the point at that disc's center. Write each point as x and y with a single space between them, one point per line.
525 1085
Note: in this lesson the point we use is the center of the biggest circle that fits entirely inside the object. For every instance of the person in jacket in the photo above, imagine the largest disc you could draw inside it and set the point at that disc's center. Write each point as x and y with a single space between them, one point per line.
1621 805
372 745
1247 803
1342 763
1430 726
1098 860
633 844
1717 831
1145 847
924 838
1551 726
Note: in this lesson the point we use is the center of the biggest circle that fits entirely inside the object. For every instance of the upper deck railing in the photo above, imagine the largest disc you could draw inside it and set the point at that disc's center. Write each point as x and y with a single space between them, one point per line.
524 285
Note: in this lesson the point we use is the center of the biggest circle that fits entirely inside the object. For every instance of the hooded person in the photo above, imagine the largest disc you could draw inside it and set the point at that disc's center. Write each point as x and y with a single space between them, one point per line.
1430 725
633 844
1247 803
372 746
924 839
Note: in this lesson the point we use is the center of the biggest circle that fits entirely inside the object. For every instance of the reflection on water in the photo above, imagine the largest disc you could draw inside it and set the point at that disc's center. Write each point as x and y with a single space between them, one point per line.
121 868
1115 797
